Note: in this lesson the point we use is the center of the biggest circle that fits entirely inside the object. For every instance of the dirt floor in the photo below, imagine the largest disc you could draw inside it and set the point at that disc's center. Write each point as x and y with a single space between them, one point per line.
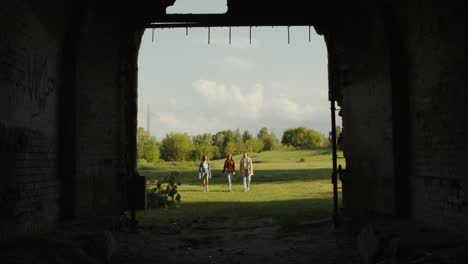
263 241
247 241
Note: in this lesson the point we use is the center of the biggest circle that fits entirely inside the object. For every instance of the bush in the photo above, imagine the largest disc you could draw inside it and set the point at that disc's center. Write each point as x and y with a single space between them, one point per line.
147 147
163 193
142 162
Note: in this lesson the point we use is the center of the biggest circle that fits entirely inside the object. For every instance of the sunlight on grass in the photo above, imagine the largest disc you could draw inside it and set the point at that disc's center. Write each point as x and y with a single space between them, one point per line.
283 186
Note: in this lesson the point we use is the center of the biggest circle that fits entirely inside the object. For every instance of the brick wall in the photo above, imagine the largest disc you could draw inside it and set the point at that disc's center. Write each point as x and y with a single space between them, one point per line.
438 60
67 79
29 56
104 84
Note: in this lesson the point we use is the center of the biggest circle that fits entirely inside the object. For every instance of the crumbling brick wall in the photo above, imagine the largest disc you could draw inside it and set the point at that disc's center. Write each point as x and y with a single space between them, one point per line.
67 111
29 58
438 60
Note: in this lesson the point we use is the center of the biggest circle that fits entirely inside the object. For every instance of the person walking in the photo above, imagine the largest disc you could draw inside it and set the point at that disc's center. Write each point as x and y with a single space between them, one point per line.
246 169
230 169
204 172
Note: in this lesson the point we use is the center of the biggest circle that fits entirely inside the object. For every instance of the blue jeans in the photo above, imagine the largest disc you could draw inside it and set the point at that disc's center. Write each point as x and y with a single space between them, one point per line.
229 176
247 179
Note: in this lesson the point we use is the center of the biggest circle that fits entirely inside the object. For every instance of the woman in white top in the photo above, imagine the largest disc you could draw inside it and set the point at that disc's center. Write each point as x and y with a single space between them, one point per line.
204 172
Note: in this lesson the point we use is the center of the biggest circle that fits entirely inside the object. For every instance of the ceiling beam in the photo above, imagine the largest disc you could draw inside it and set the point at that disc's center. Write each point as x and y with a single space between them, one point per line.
226 20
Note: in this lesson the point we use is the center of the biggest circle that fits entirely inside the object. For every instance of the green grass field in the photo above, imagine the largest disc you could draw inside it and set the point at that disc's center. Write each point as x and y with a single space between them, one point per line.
288 185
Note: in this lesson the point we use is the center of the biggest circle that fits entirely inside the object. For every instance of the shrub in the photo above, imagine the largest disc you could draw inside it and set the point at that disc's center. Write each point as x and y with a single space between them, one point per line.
163 193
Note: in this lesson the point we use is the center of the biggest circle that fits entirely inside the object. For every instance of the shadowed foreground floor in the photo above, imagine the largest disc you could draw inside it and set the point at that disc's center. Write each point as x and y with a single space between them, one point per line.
241 241
245 240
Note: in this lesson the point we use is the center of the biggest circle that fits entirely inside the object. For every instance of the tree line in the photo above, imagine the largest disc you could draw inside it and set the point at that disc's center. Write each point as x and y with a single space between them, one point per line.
182 147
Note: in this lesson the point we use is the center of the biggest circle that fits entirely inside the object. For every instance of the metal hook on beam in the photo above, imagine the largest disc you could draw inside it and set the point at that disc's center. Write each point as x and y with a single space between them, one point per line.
209 35
250 35
186 31
289 37
309 32
229 35
152 36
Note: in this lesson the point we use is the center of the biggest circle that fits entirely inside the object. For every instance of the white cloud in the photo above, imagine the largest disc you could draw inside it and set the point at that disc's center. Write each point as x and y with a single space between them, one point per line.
215 106
210 90
237 102
191 122
290 110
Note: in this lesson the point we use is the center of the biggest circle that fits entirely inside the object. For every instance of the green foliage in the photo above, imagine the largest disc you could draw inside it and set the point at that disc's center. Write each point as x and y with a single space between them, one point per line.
204 149
252 145
163 192
182 147
246 136
270 141
177 146
302 138
231 147
227 141
203 139
339 135
204 146
147 147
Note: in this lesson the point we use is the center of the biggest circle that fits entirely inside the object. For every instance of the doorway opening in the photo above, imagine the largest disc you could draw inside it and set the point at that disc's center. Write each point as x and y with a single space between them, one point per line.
218 91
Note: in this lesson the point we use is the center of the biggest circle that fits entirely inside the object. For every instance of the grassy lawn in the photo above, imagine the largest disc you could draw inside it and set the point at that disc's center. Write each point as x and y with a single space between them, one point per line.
287 186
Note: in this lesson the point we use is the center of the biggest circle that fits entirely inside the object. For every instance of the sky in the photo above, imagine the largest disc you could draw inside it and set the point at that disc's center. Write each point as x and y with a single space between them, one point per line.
195 87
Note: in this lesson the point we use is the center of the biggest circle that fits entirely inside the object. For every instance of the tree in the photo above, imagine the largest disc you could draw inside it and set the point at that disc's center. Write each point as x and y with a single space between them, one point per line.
338 130
246 136
203 139
147 146
231 147
312 139
218 140
269 139
252 145
302 138
177 147
204 146
237 137
263 133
